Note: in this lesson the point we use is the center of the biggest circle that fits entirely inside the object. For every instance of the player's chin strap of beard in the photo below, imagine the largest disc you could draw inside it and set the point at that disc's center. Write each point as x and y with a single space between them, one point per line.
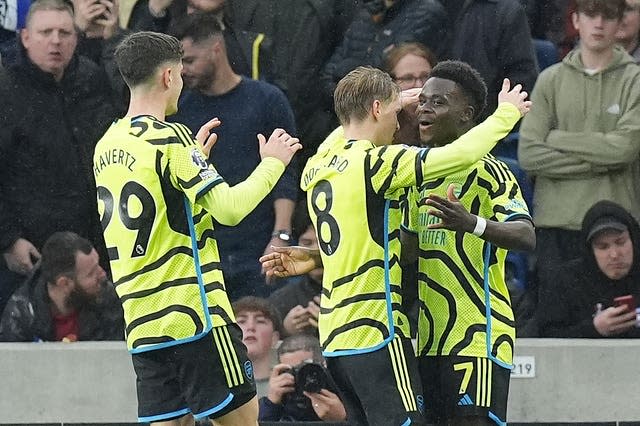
376 8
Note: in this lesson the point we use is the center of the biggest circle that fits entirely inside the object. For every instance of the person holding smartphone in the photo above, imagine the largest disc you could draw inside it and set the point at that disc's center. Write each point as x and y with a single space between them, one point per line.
596 294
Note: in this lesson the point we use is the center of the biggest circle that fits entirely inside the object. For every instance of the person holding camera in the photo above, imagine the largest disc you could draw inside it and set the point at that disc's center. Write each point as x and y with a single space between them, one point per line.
300 387
595 295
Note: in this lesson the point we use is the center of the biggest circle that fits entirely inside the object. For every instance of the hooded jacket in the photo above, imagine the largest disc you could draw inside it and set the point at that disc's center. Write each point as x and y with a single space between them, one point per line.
581 139
567 309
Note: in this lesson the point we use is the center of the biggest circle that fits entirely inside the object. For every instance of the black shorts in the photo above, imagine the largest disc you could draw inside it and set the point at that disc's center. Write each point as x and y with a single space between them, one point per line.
208 377
460 386
380 388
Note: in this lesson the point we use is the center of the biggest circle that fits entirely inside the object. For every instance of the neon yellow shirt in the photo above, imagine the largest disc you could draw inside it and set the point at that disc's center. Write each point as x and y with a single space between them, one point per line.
354 190
465 307
158 199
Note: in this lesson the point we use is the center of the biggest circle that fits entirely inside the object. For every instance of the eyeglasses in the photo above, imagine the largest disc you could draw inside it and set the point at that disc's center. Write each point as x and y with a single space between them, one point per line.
405 80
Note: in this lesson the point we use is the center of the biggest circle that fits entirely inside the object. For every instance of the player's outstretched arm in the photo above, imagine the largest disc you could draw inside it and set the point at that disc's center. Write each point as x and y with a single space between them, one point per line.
229 205
515 235
478 141
289 261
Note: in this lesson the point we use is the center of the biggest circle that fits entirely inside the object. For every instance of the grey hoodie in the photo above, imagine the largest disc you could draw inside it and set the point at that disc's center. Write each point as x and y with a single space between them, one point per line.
581 140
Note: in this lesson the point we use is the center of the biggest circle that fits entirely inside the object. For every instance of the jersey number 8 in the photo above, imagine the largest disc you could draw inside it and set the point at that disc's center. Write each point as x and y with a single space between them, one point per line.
323 217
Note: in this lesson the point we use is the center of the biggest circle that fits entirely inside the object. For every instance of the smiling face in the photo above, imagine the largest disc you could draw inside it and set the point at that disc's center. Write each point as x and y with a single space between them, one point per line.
50 40
443 112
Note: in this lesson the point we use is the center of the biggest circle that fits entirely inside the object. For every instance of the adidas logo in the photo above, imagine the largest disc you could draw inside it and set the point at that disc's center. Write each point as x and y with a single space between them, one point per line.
465 400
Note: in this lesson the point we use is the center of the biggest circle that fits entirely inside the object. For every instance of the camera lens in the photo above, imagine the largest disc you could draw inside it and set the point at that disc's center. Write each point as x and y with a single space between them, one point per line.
312 378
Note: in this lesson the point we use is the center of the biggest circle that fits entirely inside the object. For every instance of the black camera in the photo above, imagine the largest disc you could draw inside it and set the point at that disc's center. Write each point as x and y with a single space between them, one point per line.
310 377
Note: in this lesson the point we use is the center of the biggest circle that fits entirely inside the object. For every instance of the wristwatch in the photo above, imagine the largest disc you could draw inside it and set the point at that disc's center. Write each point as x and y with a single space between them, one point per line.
282 234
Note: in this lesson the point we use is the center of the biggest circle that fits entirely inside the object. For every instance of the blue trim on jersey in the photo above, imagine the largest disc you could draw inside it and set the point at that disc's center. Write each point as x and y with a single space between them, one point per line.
487 302
424 152
496 419
160 417
387 290
147 348
203 297
196 260
387 278
208 187
407 422
215 409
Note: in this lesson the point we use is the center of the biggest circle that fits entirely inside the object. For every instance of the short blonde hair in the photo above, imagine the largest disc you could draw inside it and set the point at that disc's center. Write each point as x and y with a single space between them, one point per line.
356 92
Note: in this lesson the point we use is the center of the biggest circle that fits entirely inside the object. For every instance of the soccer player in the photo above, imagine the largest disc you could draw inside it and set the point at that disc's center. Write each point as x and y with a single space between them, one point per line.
469 221
354 186
159 200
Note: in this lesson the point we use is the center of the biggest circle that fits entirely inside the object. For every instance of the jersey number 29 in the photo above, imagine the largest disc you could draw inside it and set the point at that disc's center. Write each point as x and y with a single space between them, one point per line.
143 222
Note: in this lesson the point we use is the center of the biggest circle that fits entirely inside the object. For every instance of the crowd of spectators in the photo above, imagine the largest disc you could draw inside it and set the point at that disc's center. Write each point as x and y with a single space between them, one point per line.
262 64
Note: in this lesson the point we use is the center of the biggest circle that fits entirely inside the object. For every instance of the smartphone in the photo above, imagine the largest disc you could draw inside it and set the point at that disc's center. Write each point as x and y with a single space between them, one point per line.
628 300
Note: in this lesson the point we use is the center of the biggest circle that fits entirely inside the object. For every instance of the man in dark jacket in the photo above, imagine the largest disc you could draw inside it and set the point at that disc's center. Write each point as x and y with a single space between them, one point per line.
583 302
55 106
493 37
379 25
67 298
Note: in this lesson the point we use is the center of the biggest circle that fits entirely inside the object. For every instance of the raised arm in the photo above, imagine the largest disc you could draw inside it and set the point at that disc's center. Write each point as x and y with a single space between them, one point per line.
229 205
477 142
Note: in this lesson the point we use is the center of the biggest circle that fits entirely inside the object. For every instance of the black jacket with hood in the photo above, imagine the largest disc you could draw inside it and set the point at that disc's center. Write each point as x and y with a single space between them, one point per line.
567 310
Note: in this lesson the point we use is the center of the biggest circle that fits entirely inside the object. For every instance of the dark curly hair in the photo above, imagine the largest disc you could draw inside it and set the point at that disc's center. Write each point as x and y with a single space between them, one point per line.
468 79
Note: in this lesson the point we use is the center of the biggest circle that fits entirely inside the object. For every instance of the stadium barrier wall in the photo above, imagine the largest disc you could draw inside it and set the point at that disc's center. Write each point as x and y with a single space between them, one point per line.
559 381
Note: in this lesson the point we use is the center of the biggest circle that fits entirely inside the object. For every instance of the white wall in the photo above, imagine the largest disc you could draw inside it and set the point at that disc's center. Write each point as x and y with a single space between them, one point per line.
575 381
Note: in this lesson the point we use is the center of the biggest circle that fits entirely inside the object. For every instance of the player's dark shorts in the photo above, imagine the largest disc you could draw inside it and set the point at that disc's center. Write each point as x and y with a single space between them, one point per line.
380 388
208 377
458 386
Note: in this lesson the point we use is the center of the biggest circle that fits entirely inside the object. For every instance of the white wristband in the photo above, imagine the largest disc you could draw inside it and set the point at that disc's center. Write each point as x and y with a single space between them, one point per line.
481 225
